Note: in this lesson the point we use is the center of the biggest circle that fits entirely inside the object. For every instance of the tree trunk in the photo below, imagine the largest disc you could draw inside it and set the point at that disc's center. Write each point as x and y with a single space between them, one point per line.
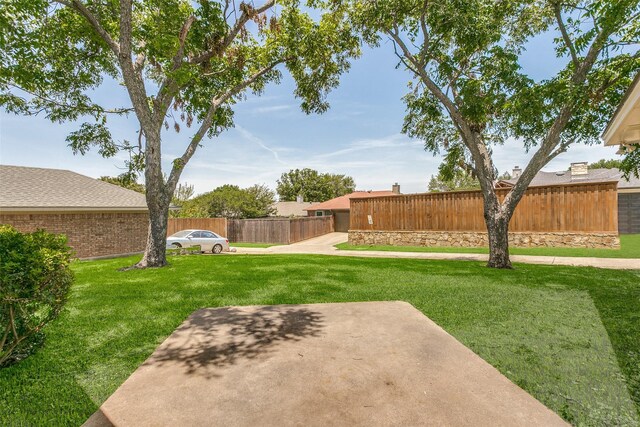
496 217
158 201
155 254
498 230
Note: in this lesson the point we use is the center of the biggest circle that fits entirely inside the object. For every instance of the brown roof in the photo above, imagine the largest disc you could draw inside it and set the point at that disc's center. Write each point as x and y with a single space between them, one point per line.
594 175
343 202
28 189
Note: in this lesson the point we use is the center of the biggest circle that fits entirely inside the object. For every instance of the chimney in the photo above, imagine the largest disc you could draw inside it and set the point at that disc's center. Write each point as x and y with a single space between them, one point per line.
516 172
299 198
395 188
579 170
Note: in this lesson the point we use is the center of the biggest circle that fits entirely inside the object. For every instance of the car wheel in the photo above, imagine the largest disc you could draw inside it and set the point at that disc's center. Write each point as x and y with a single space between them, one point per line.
217 249
176 245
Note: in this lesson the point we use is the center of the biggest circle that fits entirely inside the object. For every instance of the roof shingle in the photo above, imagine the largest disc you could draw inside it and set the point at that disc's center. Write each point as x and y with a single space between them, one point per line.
595 175
342 202
26 188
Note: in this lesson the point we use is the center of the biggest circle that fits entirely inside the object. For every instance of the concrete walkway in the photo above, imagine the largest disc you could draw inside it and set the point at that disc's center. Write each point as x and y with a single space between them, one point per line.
349 364
324 245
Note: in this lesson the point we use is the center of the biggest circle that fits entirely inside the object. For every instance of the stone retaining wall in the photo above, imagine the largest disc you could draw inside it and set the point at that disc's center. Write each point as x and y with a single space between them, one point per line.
468 239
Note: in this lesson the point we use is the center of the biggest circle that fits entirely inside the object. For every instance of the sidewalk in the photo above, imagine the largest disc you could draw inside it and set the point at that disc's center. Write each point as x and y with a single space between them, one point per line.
324 245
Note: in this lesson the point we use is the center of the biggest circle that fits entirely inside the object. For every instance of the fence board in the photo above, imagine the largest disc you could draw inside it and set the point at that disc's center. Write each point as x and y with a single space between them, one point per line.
587 207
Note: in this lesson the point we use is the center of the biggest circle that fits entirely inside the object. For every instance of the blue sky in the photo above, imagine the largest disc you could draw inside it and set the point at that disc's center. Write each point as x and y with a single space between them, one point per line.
359 136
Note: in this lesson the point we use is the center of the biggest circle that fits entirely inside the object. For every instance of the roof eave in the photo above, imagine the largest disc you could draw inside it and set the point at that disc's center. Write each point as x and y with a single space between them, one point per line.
51 209
631 97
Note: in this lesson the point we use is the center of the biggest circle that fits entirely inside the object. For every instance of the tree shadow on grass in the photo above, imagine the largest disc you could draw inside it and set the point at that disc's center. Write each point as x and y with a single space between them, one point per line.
618 305
214 338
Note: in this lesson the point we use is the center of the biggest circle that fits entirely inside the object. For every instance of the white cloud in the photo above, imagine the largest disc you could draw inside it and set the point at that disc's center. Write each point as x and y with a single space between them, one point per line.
258 141
272 109
392 141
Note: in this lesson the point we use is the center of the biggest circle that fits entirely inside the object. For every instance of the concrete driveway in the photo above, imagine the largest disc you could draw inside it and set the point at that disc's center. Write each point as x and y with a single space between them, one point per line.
324 245
350 364
319 244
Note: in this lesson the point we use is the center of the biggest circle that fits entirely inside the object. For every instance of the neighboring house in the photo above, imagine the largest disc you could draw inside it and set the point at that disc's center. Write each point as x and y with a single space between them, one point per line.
99 219
628 190
624 130
340 206
292 209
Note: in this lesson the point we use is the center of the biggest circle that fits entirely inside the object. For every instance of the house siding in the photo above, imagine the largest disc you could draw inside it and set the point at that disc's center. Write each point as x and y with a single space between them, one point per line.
90 234
629 213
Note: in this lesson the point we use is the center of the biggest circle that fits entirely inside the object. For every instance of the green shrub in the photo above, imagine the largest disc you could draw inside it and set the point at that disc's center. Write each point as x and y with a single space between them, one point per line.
34 282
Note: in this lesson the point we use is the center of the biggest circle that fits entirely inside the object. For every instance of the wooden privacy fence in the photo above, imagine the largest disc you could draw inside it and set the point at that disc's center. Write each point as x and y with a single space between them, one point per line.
583 207
277 230
264 230
217 225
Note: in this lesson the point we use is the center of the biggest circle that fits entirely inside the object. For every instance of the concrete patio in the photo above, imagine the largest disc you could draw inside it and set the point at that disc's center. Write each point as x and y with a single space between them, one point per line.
349 364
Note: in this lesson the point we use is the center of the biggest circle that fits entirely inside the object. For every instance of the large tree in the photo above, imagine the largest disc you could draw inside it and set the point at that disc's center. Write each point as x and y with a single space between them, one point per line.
313 186
231 201
182 63
468 91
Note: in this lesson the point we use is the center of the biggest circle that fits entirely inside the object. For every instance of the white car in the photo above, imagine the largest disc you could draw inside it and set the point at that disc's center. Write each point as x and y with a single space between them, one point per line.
207 240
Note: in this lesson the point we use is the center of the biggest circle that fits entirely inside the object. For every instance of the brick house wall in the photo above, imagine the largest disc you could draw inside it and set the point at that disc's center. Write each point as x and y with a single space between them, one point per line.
90 234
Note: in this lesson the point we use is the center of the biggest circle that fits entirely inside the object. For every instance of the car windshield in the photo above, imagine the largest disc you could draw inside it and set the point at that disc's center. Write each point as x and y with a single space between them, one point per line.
183 233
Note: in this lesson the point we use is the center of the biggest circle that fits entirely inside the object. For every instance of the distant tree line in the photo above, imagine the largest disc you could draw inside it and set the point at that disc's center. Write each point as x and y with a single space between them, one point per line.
230 201
457 179
313 186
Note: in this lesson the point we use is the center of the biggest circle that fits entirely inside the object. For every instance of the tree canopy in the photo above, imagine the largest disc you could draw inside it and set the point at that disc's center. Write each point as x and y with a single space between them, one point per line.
313 186
630 164
231 201
469 93
184 65
606 164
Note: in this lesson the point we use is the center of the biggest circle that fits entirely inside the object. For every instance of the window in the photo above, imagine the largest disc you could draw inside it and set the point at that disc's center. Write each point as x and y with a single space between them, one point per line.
319 213
208 235
196 234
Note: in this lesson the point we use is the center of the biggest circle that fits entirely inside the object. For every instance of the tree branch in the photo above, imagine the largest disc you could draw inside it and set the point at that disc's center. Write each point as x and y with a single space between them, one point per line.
168 88
178 164
231 35
429 83
565 35
580 74
93 21
476 147
182 38
133 79
12 322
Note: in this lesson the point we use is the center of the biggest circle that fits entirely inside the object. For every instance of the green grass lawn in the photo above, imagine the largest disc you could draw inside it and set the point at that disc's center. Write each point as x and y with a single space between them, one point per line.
569 336
253 245
629 248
